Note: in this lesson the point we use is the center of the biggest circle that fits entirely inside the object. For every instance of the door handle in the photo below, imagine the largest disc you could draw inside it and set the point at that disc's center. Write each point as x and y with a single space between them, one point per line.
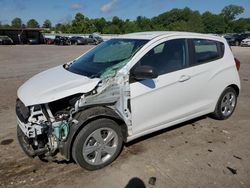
184 78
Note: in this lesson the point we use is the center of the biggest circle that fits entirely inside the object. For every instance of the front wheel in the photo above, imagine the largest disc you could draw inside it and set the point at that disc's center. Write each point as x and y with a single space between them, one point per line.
226 104
97 144
24 142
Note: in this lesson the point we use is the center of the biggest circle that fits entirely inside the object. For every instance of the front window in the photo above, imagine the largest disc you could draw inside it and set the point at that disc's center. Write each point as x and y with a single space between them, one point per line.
107 58
167 57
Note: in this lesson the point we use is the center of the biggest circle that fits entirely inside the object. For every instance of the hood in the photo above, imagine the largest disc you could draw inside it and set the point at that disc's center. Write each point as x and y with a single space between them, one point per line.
54 84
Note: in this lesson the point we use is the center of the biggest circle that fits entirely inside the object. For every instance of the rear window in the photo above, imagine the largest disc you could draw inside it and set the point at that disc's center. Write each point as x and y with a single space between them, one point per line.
207 50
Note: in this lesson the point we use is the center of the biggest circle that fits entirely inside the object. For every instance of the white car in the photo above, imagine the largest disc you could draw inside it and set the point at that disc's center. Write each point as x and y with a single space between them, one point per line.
123 89
245 42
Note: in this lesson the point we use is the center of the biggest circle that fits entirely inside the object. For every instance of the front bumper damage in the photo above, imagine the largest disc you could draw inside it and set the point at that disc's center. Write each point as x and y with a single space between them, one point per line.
41 132
49 132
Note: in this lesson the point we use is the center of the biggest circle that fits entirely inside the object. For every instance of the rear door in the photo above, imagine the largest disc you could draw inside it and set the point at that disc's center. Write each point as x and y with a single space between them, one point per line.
207 64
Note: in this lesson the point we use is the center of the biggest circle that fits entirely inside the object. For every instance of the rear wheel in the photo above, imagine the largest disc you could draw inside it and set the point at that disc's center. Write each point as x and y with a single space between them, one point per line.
226 104
98 144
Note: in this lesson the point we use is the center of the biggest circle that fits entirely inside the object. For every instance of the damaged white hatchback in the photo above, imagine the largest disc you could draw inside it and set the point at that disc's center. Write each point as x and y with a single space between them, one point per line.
123 89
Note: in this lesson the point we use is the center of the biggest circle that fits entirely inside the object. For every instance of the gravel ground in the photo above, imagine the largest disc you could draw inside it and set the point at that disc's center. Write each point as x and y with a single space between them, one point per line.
200 153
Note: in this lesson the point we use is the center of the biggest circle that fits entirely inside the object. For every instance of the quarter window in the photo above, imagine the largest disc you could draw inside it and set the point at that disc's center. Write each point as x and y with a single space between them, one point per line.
207 50
167 57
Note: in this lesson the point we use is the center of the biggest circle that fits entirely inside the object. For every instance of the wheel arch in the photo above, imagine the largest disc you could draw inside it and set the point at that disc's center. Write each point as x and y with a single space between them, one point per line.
214 114
236 88
86 116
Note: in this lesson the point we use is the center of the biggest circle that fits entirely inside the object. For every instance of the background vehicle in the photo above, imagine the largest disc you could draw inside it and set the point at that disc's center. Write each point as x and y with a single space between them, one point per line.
5 40
49 40
94 39
32 41
123 89
61 40
76 40
245 42
235 39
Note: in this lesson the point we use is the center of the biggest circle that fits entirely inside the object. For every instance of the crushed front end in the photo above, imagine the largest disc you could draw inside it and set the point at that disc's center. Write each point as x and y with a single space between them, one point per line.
41 128
46 129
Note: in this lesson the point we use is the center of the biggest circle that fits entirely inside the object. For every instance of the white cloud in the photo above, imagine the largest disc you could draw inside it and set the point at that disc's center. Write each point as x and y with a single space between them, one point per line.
75 6
109 6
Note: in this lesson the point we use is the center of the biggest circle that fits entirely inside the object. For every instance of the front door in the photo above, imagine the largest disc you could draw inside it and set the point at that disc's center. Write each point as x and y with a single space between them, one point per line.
169 97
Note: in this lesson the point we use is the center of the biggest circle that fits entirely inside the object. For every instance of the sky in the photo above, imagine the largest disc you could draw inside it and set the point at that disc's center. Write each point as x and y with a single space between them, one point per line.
60 11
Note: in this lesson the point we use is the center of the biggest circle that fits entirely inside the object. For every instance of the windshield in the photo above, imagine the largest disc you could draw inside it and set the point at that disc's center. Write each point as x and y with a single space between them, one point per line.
107 57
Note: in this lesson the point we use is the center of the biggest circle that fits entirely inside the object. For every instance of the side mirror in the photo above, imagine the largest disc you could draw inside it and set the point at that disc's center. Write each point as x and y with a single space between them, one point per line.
144 72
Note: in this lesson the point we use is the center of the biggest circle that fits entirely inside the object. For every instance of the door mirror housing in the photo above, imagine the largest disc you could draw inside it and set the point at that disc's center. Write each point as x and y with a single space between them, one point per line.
144 72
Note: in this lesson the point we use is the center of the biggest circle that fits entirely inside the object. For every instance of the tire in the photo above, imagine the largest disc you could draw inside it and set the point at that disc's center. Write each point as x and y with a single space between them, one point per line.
226 104
92 139
24 142
28 147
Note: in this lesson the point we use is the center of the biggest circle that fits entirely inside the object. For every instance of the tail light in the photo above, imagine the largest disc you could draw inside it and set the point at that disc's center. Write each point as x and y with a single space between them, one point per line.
237 63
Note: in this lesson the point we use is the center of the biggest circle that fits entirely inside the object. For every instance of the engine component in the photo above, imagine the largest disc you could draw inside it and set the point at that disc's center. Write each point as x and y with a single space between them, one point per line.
60 130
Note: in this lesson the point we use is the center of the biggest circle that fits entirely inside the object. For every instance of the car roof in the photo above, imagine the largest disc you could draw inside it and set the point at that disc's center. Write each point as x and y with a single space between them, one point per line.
153 34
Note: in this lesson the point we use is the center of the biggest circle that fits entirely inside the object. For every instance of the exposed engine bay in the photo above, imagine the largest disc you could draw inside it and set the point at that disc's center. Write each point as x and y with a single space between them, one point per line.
45 126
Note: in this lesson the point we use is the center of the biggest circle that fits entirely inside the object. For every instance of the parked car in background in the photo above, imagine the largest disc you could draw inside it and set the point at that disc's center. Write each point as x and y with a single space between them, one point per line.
33 40
61 40
94 39
245 42
49 40
5 40
236 39
245 35
123 89
76 40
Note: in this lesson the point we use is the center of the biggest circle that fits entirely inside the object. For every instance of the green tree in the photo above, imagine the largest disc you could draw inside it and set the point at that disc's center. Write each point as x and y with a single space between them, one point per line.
64 28
111 29
32 23
118 23
58 27
178 26
176 19
130 26
231 11
78 24
16 22
179 20
195 23
213 23
47 24
143 23
99 23
89 26
241 25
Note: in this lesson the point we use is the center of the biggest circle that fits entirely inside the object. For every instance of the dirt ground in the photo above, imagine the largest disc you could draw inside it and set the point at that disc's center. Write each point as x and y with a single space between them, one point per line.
200 153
